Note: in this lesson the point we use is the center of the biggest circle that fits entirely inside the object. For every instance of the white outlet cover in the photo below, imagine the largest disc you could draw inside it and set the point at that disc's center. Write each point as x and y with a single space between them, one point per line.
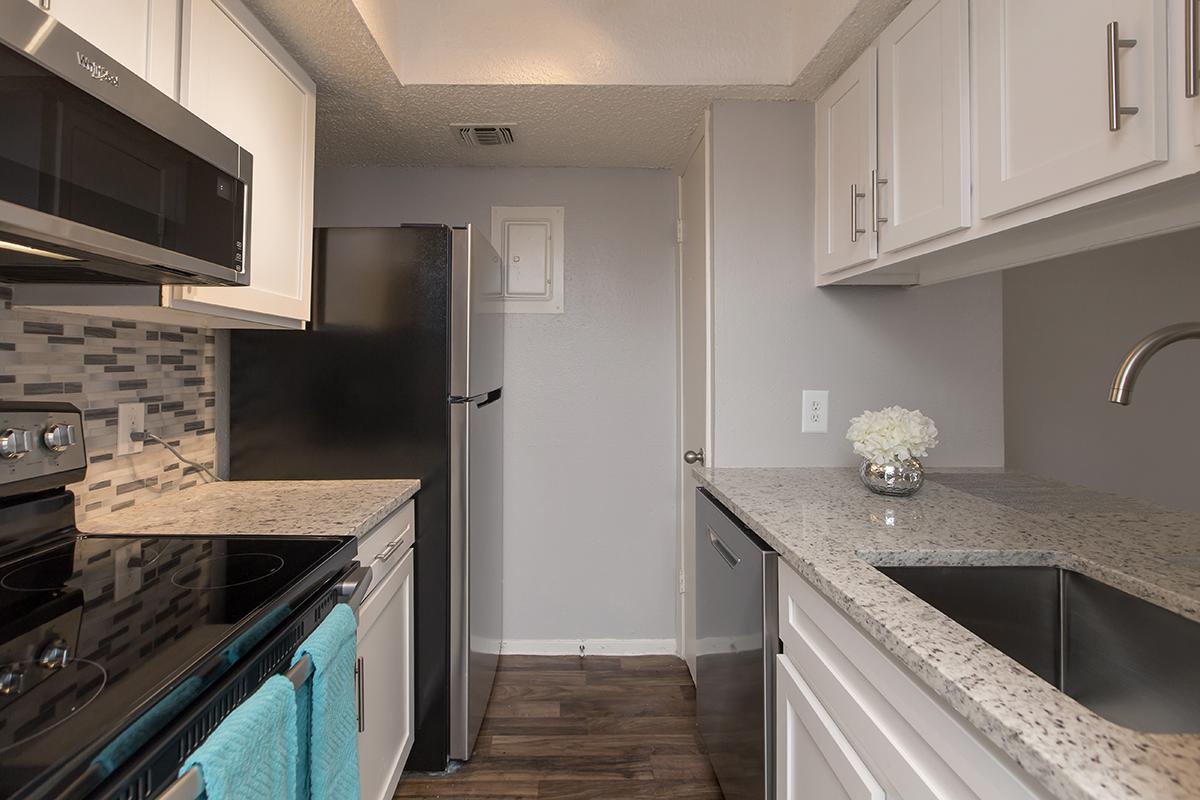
815 418
131 417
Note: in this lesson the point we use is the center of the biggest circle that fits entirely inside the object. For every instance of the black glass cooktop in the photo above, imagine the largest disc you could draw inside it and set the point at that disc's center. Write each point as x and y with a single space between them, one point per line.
103 639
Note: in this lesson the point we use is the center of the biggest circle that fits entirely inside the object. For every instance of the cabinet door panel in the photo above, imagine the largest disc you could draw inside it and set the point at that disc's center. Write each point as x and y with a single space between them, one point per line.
846 159
232 82
924 124
385 652
1043 83
813 758
139 34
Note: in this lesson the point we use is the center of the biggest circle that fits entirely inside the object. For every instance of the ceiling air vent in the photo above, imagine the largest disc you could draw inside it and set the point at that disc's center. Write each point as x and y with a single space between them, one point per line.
485 135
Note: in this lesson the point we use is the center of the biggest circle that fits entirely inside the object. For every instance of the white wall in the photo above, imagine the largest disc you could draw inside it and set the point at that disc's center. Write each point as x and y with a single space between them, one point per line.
1067 325
936 348
590 427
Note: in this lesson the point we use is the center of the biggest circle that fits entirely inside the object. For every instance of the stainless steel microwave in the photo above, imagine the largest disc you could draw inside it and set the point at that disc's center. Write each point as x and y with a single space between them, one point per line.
103 178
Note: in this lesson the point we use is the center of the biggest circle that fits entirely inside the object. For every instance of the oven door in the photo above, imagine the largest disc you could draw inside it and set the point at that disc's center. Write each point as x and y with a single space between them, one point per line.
102 177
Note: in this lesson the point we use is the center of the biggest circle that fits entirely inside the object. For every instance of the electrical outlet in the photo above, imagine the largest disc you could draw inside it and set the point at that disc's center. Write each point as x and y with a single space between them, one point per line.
816 411
131 418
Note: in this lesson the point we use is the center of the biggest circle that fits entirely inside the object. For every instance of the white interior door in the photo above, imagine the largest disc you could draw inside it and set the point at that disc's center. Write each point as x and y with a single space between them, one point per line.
694 355
847 155
1043 86
924 125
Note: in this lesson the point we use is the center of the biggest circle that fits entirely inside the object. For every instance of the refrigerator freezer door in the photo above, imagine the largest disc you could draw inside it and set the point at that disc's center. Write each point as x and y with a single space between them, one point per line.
476 321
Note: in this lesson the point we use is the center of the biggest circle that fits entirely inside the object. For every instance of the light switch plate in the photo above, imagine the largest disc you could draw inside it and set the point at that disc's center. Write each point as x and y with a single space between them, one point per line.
131 417
816 411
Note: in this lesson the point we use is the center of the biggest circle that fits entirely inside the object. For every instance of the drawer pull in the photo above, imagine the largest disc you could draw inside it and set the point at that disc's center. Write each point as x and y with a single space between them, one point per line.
390 549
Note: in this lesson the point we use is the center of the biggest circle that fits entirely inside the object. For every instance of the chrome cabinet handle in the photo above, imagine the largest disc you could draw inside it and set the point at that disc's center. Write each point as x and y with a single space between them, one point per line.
876 220
1115 110
1191 41
360 673
45 4
855 196
391 547
694 457
723 550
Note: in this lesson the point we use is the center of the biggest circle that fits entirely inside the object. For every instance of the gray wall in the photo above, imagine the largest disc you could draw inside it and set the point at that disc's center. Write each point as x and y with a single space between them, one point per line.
936 348
590 394
1067 325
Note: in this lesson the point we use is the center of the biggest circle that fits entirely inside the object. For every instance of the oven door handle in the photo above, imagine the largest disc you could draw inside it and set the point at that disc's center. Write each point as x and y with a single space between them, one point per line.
353 587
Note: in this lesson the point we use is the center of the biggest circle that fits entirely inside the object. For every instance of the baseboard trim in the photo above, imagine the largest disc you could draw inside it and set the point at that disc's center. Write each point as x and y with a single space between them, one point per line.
591 647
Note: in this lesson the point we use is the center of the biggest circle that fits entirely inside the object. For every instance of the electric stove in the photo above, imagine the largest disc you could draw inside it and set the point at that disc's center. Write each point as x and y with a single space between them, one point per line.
119 654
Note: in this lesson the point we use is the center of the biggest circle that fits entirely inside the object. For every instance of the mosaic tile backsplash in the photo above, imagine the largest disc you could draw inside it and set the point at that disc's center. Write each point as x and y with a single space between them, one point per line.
96 364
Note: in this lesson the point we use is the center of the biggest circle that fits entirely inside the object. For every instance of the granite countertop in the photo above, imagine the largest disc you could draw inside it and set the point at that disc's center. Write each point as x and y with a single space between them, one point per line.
828 527
329 508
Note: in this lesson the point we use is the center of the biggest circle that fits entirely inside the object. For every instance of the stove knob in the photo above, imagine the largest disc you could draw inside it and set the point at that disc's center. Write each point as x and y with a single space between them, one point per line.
15 443
55 655
59 436
12 679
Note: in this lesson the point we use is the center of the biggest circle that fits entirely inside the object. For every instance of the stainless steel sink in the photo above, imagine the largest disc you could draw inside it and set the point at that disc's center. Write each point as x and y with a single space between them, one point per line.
1128 660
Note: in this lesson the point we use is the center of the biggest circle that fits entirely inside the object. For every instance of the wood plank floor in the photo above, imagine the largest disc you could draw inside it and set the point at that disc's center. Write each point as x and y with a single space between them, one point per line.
592 728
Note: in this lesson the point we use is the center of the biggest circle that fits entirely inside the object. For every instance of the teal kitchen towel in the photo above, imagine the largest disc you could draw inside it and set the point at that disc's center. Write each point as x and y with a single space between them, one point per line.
252 754
333 721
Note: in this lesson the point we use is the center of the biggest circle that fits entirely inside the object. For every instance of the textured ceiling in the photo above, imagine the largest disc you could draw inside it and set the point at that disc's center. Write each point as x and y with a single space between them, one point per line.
365 117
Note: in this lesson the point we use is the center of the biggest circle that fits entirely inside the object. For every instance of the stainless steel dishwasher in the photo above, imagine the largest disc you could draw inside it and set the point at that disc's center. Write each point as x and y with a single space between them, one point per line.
737 638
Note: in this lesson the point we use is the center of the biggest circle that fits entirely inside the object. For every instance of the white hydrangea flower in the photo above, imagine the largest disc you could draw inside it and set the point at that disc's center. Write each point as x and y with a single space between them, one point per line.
893 434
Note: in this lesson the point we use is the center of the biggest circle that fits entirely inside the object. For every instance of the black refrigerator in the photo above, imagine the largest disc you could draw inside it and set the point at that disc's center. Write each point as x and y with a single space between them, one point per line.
400 375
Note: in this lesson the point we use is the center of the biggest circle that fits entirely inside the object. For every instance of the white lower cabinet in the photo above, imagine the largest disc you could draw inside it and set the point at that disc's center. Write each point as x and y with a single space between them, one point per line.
385 676
852 723
815 759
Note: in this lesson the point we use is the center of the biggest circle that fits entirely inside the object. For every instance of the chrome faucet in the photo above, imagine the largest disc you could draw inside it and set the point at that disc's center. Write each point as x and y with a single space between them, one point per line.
1122 385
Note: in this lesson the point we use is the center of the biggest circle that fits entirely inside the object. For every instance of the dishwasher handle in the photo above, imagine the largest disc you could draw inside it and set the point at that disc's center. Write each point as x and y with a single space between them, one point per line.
723 549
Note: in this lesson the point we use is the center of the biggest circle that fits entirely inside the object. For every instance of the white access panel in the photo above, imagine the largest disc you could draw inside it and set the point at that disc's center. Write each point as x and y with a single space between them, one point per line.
530 241
529 260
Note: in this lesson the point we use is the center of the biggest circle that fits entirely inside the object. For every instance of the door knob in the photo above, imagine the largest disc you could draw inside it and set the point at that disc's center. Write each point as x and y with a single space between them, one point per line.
694 456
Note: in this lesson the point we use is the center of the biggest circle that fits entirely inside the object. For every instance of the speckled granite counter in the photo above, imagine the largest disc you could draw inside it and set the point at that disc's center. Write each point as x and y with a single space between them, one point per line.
830 529
340 508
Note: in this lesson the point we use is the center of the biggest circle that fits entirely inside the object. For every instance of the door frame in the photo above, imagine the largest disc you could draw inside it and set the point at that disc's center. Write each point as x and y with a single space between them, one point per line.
701 137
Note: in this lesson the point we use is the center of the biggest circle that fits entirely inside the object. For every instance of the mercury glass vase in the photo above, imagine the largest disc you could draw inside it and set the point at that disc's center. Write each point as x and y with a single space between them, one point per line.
896 479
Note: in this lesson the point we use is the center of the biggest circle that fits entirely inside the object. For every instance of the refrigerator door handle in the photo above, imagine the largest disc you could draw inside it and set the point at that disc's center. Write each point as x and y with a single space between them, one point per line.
483 399
462 399
491 397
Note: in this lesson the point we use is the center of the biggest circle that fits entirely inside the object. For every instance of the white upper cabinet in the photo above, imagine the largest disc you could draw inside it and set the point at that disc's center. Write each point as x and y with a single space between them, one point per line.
139 34
237 78
846 166
924 185
1057 86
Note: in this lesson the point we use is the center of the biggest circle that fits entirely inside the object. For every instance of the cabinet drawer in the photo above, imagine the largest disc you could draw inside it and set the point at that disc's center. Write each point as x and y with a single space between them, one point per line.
914 746
384 546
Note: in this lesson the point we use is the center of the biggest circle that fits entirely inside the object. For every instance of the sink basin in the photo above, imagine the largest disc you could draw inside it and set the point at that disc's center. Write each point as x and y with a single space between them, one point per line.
1130 661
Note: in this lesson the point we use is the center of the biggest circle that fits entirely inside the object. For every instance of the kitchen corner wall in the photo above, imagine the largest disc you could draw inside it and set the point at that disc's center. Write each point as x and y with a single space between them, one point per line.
936 348
96 364
1067 325
590 427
